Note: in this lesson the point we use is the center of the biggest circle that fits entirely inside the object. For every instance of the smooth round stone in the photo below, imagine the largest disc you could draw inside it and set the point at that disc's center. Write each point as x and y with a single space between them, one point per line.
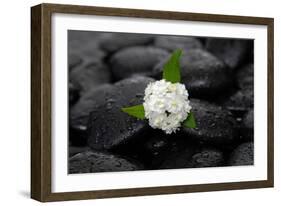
180 149
240 101
108 126
242 155
85 45
215 125
74 46
90 75
245 77
150 149
207 158
156 144
248 126
79 113
117 41
179 160
172 43
232 51
133 88
74 93
248 120
136 60
91 53
84 36
156 151
203 74
91 161
73 61
73 150
80 45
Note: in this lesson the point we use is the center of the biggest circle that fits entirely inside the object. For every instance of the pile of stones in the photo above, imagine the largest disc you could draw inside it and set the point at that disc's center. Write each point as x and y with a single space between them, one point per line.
108 71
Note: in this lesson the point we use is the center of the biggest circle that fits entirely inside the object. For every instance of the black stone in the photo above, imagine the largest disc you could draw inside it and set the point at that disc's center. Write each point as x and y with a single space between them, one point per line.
207 158
73 150
79 113
242 155
75 46
240 101
179 159
91 161
136 60
117 41
133 89
90 75
85 45
245 77
247 128
92 54
150 149
248 120
232 51
203 74
74 93
108 126
84 37
73 61
180 148
185 154
172 43
215 125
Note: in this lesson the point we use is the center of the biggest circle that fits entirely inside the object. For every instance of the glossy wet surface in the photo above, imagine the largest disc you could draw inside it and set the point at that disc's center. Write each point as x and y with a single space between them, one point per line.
109 71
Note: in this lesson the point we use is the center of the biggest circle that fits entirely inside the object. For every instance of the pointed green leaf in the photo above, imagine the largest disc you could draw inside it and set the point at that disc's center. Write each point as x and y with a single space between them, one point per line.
171 71
135 111
190 121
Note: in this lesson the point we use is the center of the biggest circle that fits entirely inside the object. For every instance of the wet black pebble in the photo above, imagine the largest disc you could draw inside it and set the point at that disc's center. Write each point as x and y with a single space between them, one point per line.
247 127
132 89
74 93
108 126
207 158
85 45
79 113
91 161
179 159
73 150
232 51
215 125
90 53
136 60
242 155
90 75
172 43
241 101
245 76
192 156
204 75
150 149
117 41
73 61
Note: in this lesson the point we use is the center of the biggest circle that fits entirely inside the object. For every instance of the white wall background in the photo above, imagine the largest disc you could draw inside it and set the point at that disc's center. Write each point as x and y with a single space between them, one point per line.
15 102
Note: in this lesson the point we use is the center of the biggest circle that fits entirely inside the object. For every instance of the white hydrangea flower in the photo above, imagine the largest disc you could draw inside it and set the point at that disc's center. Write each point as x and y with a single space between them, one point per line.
166 105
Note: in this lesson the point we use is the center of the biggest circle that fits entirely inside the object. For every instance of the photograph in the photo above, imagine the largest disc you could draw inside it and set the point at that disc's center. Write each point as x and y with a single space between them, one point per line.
140 101
132 102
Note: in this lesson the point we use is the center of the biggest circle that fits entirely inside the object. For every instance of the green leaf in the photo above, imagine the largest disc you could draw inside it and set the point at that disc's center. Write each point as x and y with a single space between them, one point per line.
135 111
190 121
171 71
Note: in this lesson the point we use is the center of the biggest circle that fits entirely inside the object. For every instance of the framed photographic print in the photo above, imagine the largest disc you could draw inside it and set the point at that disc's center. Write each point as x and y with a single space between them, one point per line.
130 102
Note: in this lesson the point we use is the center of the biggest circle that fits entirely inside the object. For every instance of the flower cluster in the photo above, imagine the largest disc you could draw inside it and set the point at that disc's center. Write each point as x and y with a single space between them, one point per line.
166 105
